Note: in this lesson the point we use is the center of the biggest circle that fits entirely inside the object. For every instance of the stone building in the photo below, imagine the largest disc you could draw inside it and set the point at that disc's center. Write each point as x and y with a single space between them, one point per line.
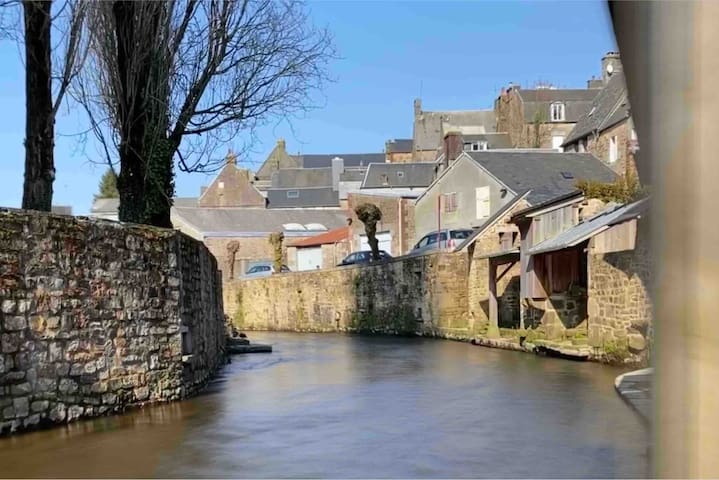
398 150
395 232
607 130
430 128
475 185
541 117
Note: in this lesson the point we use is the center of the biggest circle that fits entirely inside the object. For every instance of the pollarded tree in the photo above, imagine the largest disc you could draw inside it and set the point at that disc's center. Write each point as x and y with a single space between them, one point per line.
175 79
369 214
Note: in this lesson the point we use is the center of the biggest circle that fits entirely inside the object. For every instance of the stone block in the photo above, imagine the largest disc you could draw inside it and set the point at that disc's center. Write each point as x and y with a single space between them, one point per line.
109 399
24 306
14 323
46 385
67 386
21 406
636 342
74 412
32 420
39 405
11 342
8 413
142 393
21 389
8 307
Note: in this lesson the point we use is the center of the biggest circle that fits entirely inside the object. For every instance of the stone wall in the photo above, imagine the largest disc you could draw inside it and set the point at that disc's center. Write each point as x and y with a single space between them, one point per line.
403 234
599 147
424 294
95 315
619 305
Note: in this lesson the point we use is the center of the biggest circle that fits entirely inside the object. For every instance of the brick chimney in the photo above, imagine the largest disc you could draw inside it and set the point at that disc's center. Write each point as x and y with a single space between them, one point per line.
452 146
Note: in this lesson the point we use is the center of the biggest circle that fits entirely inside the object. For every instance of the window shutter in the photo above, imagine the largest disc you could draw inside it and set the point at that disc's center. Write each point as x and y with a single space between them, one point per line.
483 207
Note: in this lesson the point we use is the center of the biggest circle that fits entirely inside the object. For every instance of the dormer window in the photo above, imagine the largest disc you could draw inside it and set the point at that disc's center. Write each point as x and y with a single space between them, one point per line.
557 112
293 194
476 146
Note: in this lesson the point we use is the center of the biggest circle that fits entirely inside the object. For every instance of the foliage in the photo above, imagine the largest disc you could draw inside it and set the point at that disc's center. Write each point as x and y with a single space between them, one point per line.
623 190
108 185
615 352
370 214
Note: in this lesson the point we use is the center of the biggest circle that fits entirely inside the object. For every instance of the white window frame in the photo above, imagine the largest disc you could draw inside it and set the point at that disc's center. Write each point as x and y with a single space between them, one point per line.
557 112
293 194
557 144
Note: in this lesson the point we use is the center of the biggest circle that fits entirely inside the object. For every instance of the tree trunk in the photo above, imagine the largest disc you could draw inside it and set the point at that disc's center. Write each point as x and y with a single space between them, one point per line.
39 118
371 231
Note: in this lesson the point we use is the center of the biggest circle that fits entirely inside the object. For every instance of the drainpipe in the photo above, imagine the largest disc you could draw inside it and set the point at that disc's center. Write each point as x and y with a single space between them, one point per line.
399 229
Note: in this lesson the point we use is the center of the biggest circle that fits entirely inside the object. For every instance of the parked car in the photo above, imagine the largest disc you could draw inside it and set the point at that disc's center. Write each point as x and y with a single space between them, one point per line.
439 240
264 269
365 256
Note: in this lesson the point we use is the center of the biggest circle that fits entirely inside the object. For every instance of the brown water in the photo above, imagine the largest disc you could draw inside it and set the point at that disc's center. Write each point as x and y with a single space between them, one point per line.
353 406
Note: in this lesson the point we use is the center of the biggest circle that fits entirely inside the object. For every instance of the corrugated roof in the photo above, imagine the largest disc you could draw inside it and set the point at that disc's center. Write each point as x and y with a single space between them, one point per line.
609 107
546 175
350 159
333 236
428 125
498 215
256 220
592 226
398 175
399 145
302 197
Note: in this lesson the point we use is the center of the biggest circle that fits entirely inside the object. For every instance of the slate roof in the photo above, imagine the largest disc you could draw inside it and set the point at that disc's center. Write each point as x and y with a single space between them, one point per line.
494 140
333 236
546 175
577 102
353 174
399 145
112 205
393 175
350 159
306 197
592 226
428 125
258 221
302 177
609 107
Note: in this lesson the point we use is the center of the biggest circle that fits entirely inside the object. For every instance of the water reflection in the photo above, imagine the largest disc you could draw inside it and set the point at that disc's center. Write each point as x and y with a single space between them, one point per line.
351 407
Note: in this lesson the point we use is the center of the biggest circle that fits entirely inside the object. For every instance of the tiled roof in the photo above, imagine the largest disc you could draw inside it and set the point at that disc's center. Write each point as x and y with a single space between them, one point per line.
302 177
609 107
333 236
389 175
546 175
350 159
302 197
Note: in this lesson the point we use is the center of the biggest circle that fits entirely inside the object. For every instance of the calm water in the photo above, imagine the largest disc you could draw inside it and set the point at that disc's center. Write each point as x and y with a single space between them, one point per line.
353 406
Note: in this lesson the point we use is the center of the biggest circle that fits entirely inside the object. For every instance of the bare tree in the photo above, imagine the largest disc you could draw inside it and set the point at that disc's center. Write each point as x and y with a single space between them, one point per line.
177 78
40 81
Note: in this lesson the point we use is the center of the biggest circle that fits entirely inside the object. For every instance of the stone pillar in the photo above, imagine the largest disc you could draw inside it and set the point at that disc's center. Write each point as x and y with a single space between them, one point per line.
493 328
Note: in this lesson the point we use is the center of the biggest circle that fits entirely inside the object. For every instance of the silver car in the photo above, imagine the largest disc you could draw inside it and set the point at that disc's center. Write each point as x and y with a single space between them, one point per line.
264 270
441 240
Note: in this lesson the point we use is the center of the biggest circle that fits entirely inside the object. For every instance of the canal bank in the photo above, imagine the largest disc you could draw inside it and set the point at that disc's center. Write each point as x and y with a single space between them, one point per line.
353 406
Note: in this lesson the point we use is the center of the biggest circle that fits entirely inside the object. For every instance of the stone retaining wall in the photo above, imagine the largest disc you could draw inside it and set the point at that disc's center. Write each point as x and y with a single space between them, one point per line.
93 315
425 294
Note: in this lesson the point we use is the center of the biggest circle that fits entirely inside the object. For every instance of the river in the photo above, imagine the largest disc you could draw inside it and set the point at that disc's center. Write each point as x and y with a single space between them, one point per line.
349 406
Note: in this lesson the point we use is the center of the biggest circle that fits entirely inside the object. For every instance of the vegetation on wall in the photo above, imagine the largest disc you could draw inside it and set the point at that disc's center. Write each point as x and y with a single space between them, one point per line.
624 190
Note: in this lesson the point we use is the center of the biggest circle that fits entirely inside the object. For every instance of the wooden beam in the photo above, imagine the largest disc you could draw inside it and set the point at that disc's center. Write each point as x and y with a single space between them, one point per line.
493 330
509 267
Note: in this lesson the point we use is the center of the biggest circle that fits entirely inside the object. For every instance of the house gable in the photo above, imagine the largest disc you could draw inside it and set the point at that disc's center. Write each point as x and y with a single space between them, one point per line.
231 188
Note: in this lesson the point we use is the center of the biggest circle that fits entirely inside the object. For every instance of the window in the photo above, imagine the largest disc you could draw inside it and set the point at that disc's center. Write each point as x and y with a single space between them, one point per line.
613 150
400 174
557 141
293 194
432 239
423 242
220 185
450 202
582 146
482 197
477 146
284 268
460 234
557 112
467 146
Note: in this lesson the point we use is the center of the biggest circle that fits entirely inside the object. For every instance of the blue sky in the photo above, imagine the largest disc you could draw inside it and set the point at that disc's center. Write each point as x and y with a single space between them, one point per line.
457 54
